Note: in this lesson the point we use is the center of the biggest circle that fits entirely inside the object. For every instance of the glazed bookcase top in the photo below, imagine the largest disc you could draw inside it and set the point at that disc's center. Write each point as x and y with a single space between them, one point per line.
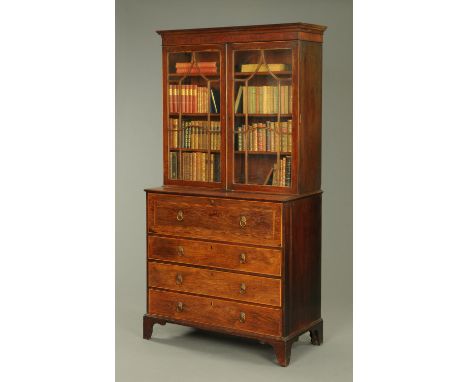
242 108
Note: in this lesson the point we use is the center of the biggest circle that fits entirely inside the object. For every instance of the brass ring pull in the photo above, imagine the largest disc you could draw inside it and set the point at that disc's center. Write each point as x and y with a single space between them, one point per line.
242 317
242 258
180 216
243 288
180 307
243 221
179 279
180 251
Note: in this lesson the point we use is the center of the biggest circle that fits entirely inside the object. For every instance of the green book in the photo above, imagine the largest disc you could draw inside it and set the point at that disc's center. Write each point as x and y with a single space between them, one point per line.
238 98
173 165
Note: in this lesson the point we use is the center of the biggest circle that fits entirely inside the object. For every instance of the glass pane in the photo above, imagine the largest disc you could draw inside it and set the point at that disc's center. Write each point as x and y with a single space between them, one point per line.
263 117
194 126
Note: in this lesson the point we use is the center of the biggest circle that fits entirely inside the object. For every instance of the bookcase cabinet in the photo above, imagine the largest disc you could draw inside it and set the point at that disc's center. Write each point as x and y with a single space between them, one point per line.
234 235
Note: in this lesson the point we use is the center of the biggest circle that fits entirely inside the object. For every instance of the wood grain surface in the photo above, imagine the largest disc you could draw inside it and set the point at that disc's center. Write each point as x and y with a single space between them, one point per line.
215 312
226 256
261 290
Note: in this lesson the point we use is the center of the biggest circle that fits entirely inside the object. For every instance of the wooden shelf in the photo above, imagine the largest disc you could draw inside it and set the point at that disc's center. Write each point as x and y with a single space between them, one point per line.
263 115
195 114
263 152
193 150
193 75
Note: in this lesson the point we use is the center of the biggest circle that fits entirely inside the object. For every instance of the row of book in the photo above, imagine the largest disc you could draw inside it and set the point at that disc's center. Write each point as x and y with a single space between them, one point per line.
194 167
268 136
193 99
264 99
194 134
208 67
282 176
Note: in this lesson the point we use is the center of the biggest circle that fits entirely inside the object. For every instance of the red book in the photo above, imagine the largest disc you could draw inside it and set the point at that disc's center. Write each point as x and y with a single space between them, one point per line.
182 98
196 70
194 99
190 99
206 64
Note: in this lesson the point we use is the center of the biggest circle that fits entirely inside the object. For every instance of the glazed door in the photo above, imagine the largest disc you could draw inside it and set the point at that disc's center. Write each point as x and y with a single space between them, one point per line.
262 116
194 115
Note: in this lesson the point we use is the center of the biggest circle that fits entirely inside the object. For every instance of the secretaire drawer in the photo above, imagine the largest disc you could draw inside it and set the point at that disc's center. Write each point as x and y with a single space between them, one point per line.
212 311
262 290
215 219
228 256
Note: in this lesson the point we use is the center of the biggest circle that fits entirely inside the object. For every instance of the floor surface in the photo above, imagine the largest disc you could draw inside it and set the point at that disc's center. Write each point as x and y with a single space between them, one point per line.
177 353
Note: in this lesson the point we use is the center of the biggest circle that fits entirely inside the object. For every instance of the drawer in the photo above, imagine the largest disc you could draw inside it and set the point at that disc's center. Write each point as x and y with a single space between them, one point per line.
227 256
215 312
215 219
262 290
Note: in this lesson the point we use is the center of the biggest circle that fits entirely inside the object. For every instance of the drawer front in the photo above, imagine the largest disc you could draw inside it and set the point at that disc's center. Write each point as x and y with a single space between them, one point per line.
215 219
262 290
212 311
235 257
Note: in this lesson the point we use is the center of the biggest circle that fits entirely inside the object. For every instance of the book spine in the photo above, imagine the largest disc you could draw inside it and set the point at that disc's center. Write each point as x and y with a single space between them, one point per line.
192 98
283 173
204 166
184 161
187 98
182 98
244 100
275 99
170 98
288 171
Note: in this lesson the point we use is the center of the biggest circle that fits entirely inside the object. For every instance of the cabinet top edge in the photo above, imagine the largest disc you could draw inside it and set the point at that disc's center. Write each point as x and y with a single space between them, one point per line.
290 27
221 193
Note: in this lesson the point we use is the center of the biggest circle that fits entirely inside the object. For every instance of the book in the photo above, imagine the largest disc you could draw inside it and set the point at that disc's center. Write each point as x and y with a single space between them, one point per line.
288 172
196 67
238 100
200 64
214 102
173 165
247 68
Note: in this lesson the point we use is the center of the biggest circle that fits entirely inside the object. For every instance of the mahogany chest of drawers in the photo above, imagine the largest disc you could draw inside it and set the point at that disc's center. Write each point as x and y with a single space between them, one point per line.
239 263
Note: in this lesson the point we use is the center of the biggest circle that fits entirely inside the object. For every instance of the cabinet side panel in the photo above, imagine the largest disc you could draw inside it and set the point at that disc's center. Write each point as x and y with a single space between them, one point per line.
310 116
304 263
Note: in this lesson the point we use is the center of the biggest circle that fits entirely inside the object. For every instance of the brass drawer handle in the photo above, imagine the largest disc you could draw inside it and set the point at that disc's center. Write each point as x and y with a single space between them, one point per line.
180 216
242 258
243 221
180 251
180 307
243 288
179 279
242 317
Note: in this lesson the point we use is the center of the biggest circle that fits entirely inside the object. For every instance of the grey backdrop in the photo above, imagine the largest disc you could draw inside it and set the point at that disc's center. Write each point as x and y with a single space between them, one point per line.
181 354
